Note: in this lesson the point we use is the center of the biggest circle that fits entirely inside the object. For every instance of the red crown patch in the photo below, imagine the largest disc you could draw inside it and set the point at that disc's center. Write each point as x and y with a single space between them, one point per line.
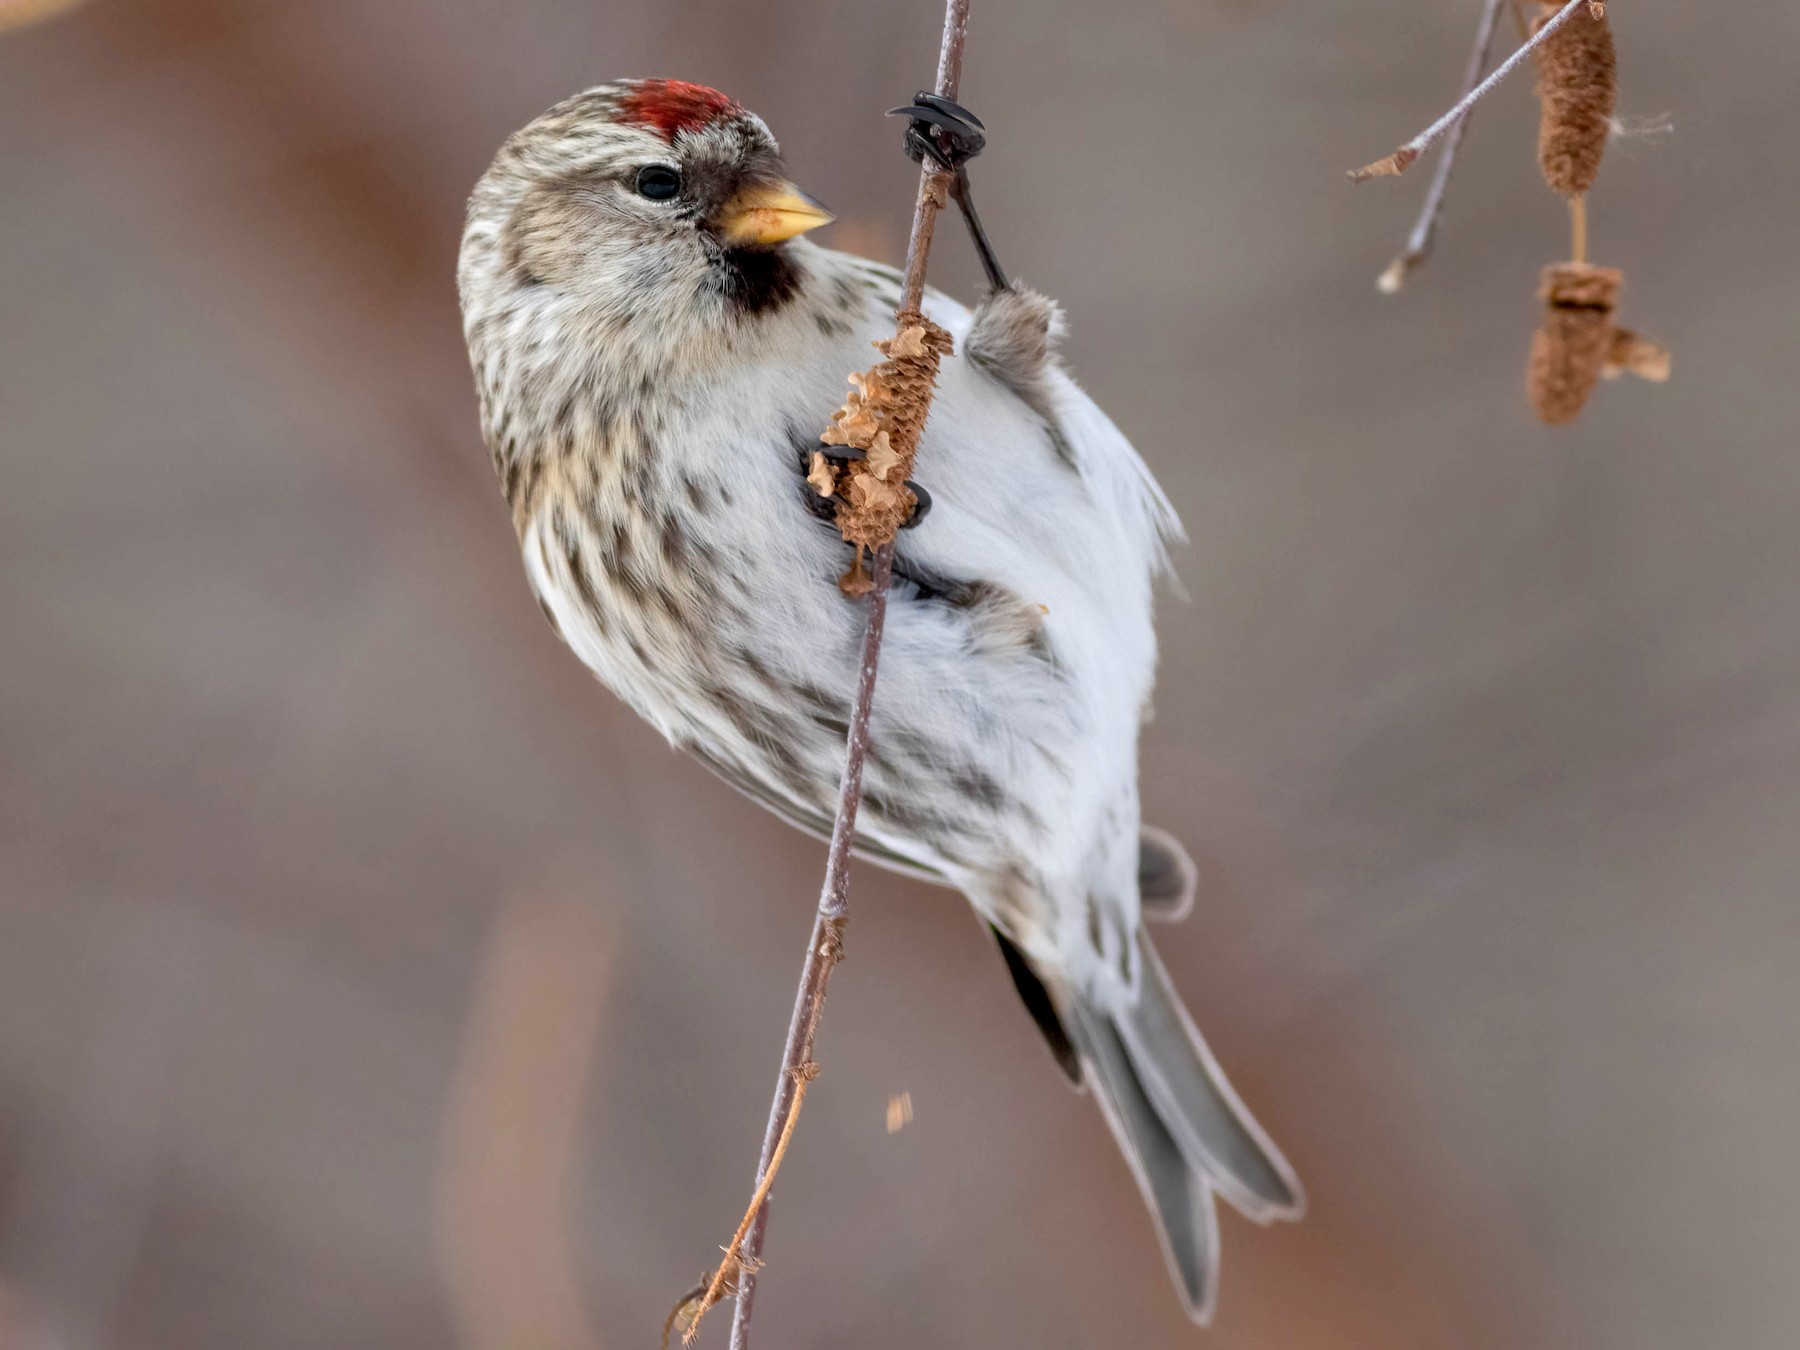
669 106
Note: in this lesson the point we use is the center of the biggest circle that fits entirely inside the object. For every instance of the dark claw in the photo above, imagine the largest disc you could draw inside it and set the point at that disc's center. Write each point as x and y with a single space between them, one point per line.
962 131
919 146
948 133
942 104
841 451
921 508
820 508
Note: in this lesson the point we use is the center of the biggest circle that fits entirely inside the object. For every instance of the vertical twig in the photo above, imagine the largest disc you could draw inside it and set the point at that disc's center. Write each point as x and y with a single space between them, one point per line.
825 948
1403 158
1424 233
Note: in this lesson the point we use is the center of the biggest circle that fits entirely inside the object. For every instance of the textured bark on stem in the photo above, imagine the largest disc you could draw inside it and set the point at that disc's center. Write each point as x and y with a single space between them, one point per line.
825 948
1424 233
1404 158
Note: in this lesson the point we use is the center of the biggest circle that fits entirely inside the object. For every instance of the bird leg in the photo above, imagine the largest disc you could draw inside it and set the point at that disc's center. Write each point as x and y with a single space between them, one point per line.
949 135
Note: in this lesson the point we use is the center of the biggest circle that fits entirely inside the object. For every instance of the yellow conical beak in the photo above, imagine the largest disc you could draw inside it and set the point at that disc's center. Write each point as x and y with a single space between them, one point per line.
768 213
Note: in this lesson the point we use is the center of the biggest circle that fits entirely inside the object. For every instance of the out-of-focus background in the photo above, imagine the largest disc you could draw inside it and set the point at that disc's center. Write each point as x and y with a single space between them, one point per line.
369 977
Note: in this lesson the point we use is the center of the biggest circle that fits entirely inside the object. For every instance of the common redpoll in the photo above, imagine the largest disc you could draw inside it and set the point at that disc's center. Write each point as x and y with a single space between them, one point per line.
656 349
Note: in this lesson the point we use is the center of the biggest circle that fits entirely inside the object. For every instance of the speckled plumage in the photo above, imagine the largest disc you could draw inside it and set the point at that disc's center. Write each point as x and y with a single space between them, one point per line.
650 395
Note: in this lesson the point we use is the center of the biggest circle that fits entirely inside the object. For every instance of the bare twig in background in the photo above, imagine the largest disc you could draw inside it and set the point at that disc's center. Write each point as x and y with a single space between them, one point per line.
1404 158
826 946
512 1122
1517 7
1424 232
1577 343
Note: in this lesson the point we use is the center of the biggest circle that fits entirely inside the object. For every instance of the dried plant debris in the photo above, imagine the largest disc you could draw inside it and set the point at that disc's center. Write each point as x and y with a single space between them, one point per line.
821 475
1578 341
1634 354
687 1311
877 431
899 1112
1388 166
1577 87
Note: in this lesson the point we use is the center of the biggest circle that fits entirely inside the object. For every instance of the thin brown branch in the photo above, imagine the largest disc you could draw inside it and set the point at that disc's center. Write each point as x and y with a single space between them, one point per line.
1404 158
1424 231
826 946
731 1269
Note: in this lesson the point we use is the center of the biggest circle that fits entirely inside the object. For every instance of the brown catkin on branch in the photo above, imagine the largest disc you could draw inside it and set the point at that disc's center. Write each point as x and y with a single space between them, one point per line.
1572 345
1577 87
883 418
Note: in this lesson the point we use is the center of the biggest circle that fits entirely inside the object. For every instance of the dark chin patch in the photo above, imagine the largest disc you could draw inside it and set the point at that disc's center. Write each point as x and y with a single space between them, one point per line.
755 281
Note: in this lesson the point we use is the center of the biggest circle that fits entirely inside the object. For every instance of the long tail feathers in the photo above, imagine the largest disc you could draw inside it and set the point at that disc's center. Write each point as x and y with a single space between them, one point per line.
1178 1195
1187 1086
1182 1128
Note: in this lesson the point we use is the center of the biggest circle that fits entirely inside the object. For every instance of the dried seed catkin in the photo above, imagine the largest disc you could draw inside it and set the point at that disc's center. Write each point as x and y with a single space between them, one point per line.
1577 86
1572 345
882 419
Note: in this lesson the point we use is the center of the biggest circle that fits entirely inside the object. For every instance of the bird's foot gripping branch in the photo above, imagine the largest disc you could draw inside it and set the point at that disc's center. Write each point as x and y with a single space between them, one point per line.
882 421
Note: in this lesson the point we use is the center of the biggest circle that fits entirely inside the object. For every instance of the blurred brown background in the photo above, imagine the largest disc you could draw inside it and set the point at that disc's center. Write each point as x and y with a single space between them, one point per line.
370 978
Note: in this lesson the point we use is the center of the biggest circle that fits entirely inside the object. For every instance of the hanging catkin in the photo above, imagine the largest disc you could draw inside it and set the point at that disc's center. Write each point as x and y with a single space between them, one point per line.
1571 346
1577 87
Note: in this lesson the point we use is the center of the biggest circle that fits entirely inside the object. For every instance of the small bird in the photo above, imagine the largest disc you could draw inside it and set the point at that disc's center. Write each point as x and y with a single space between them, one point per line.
656 348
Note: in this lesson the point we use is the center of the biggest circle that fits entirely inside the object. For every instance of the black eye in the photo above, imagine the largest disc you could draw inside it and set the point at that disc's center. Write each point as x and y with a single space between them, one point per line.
658 182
